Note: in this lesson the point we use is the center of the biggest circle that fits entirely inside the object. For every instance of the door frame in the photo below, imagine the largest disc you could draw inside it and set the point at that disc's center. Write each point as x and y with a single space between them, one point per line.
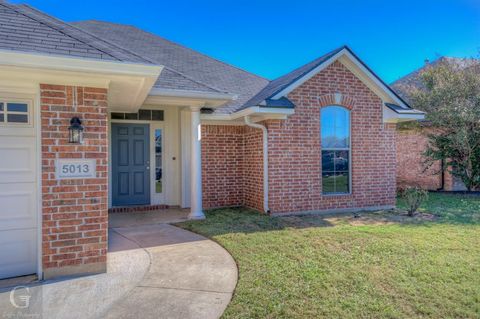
154 198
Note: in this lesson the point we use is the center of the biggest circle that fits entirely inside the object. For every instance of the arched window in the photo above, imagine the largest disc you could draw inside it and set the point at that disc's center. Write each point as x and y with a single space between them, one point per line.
335 139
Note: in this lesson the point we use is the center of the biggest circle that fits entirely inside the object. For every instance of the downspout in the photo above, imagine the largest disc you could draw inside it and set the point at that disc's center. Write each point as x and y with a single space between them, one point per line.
248 122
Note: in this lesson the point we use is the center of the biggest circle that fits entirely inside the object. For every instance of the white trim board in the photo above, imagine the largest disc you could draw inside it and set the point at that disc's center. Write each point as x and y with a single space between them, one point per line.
345 56
256 112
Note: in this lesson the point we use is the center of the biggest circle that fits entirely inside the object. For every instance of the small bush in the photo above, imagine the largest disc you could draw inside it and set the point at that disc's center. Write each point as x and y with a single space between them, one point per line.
414 197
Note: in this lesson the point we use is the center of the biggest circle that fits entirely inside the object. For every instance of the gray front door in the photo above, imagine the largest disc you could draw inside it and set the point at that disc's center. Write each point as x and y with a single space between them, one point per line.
130 164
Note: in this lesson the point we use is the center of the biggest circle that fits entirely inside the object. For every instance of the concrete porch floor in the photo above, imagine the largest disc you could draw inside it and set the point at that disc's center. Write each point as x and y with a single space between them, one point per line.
161 216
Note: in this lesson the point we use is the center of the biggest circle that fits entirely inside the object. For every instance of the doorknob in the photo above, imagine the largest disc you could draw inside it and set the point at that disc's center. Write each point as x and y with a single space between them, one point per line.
147 167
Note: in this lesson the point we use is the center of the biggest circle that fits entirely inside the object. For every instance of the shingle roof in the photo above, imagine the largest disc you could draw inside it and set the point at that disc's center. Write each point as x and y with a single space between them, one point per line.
23 28
170 79
191 64
282 82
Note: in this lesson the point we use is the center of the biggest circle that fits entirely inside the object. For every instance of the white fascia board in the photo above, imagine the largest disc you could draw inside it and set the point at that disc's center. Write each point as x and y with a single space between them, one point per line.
192 94
375 80
346 53
265 112
128 83
389 116
308 76
72 64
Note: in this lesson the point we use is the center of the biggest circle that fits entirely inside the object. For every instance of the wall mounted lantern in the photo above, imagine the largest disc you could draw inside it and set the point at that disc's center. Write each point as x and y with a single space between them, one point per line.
75 131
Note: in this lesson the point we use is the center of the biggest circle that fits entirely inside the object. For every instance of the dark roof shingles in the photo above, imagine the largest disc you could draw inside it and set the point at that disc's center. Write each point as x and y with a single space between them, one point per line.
23 28
189 63
282 82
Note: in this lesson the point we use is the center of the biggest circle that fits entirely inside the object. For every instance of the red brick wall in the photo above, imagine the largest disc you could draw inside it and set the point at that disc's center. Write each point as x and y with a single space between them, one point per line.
294 147
253 180
232 166
410 161
411 144
222 165
75 219
295 152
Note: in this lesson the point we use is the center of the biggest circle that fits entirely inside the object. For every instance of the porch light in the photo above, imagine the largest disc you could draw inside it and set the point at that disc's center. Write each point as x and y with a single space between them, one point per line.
75 131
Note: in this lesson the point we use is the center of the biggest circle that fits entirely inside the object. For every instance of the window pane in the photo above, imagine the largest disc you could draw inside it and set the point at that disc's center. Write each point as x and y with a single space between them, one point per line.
328 161
17 107
145 115
341 182
335 183
158 160
328 127
1 118
17 118
157 115
131 116
335 127
341 161
118 116
328 182
1 106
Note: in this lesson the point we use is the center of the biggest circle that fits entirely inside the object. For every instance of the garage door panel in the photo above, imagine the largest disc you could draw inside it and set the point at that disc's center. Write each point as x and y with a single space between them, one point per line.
17 208
17 159
19 216
18 253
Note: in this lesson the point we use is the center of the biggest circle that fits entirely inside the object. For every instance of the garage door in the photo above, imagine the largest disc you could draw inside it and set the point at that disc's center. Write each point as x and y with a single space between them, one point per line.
18 184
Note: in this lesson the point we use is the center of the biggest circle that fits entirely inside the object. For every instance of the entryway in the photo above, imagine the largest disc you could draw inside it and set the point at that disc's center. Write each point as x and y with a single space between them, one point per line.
130 164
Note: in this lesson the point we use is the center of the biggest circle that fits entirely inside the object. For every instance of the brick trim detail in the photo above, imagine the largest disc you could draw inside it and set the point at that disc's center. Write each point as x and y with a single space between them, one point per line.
336 99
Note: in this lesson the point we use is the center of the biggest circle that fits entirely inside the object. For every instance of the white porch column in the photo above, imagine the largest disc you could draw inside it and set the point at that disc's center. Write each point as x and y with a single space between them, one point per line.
196 211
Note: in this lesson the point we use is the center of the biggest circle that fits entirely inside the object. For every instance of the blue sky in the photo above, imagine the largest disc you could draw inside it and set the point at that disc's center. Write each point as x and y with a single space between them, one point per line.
270 38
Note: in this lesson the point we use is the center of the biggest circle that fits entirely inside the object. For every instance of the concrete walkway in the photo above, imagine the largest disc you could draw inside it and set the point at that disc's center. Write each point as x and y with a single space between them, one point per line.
153 271
189 276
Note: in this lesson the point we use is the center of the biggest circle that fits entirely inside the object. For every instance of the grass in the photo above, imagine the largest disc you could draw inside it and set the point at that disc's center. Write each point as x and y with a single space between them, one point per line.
381 265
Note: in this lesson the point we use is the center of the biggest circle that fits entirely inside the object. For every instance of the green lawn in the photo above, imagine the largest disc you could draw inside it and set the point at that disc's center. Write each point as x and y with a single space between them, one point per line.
381 265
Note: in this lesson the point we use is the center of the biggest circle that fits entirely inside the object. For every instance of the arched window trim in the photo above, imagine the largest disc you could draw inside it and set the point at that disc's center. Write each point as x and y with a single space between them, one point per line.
335 192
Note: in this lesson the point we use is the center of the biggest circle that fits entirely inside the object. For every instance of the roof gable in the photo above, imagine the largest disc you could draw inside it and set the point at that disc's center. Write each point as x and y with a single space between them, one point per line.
282 86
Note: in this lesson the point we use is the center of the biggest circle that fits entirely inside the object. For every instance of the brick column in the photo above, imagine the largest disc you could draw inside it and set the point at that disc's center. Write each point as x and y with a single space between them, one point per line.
74 211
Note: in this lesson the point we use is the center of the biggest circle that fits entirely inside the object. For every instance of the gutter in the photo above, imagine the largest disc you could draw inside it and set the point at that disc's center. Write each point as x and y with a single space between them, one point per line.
76 64
265 160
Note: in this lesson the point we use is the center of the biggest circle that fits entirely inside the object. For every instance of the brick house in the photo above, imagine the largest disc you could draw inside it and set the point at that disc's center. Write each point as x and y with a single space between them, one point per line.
98 117
412 141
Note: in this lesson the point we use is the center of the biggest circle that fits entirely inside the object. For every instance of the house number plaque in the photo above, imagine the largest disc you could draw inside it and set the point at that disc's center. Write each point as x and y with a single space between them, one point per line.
75 168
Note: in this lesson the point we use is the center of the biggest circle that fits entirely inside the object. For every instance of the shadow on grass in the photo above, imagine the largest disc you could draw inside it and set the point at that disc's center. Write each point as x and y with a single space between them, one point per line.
440 209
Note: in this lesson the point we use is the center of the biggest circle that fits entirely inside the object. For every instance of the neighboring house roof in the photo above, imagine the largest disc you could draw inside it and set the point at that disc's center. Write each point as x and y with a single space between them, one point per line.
412 80
194 65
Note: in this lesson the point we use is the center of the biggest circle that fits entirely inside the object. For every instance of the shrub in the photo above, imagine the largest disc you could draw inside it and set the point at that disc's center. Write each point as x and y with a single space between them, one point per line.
414 197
